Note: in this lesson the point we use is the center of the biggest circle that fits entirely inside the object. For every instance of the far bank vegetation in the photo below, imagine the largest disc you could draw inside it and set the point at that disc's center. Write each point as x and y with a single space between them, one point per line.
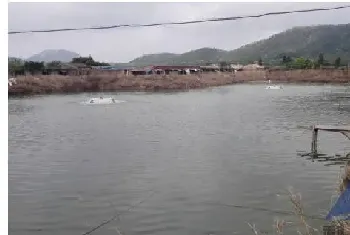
84 74
18 67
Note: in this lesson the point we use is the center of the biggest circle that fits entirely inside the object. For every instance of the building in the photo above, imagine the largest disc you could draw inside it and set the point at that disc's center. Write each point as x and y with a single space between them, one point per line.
179 69
11 81
166 70
111 70
254 66
236 67
210 68
73 69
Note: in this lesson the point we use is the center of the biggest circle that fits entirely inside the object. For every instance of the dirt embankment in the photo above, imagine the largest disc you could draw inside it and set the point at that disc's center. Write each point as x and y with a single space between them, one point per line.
310 75
28 85
69 84
296 76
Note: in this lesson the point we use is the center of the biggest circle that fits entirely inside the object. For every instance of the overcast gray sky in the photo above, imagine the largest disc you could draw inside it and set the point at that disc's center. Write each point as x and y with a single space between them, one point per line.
125 44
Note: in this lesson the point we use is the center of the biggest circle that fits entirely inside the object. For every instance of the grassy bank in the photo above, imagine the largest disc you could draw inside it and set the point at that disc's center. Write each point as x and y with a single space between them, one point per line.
29 85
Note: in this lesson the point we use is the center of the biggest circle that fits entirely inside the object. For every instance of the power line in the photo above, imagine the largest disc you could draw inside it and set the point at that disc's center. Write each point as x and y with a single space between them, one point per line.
232 18
281 212
116 216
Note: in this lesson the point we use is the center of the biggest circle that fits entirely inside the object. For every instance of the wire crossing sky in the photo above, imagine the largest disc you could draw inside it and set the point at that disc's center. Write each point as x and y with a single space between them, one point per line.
232 18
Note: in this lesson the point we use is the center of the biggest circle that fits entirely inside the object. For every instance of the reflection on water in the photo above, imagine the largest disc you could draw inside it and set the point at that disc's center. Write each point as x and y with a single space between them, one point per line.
199 162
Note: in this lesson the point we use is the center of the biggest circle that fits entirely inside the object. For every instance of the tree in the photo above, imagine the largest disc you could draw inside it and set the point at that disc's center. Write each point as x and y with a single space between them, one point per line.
308 64
320 59
32 66
286 60
302 63
83 60
89 61
15 66
299 63
337 62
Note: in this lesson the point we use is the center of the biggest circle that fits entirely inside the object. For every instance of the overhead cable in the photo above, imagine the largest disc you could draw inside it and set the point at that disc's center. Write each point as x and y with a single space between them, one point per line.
232 18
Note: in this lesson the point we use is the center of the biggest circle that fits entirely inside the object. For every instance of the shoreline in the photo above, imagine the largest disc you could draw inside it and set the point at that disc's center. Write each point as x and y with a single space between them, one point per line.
26 95
55 84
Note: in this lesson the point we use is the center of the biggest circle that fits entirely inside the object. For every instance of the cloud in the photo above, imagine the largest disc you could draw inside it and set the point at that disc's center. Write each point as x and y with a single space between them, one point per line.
124 44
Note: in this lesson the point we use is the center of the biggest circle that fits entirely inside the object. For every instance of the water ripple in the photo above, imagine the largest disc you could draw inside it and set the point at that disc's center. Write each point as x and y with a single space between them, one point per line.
72 167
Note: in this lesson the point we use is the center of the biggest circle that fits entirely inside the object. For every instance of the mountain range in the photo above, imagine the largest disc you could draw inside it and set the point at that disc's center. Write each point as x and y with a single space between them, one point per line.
54 55
331 40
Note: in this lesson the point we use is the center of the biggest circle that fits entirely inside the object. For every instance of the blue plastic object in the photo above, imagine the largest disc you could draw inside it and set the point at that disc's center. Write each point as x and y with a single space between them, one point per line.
341 208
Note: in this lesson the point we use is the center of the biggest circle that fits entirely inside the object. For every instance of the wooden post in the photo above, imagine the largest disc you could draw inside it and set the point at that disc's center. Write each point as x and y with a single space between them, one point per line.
314 142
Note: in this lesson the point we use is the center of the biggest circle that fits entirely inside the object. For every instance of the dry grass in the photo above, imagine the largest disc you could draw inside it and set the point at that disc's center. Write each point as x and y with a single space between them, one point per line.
118 82
68 84
304 228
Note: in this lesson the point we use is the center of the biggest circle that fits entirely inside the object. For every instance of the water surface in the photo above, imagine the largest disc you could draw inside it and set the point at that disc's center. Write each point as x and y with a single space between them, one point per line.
169 163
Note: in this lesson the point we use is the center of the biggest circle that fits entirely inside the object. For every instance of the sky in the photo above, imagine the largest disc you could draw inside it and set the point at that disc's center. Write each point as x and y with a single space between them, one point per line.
125 44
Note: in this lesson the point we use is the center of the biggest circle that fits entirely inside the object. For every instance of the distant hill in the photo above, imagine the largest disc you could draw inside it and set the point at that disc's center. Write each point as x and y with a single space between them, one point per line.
203 55
54 55
155 59
331 40
199 56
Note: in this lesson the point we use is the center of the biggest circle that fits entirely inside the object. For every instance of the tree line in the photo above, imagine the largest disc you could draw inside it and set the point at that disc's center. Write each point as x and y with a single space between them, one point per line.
20 67
305 63
292 62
